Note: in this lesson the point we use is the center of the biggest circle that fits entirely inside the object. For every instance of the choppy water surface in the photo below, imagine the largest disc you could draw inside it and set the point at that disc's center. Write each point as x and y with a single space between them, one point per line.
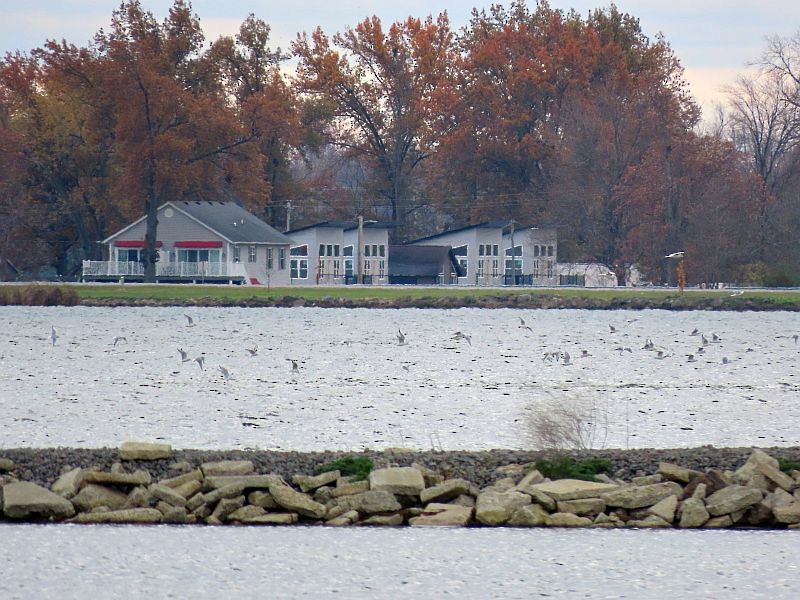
313 562
357 387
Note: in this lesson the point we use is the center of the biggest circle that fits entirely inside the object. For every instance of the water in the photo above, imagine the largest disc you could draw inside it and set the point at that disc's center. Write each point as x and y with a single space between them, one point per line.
313 562
356 387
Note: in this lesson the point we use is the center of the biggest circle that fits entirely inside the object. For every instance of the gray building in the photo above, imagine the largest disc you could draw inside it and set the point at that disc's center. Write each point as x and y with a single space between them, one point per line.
329 253
485 254
199 242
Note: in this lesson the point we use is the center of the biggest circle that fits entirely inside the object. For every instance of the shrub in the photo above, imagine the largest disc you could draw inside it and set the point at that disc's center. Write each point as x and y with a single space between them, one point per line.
571 423
357 466
566 467
787 466
38 295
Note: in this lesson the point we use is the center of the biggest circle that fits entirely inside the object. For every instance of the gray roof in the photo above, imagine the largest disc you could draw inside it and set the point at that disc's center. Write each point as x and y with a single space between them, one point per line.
343 225
486 225
233 222
421 261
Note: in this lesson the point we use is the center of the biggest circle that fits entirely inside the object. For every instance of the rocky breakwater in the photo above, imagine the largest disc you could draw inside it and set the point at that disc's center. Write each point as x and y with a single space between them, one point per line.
757 494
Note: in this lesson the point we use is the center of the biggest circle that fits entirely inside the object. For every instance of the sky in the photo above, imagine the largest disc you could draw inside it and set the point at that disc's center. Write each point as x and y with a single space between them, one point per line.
715 40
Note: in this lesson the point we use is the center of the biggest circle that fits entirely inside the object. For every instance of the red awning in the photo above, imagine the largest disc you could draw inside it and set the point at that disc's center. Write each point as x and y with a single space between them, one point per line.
198 244
134 244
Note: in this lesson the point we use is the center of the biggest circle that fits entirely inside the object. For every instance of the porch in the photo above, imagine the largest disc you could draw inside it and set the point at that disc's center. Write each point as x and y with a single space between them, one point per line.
166 272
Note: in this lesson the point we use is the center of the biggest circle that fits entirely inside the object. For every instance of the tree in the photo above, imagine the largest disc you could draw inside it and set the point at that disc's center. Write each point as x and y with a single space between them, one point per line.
382 90
173 129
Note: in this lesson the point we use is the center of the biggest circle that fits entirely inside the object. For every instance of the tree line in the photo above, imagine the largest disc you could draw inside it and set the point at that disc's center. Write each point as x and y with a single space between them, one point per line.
534 114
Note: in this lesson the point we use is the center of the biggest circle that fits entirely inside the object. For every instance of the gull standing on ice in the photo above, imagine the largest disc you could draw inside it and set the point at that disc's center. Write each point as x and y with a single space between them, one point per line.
252 351
200 360
184 355
226 375
401 338
53 335
189 320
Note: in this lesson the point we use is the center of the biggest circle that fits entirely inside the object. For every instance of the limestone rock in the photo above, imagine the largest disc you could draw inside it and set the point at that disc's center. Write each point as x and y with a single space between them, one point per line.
540 498
567 520
394 520
350 488
140 477
731 499
179 480
699 492
693 513
176 515
789 513
445 491
758 457
653 521
641 496
229 491
195 502
253 482
188 489
144 451
24 499
308 483
665 509
224 508
273 519
464 500
370 502
167 494
582 506
572 489
138 497
676 473
719 522
93 495
448 515
295 501
227 467
776 476
531 478
128 515
262 499
68 484
430 476
246 512
647 479
346 518
407 481
494 507
530 515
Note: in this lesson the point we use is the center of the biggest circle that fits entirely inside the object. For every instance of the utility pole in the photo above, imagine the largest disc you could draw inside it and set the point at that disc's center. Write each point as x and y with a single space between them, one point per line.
513 256
288 215
359 261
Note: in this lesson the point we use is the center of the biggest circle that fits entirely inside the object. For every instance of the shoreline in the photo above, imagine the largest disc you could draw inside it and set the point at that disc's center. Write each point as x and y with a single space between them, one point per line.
150 483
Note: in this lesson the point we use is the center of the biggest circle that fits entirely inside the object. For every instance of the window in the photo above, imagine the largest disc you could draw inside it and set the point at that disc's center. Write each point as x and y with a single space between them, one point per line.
550 269
330 250
367 267
480 266
321 267
549 251
374 249
480 253
366 250
348 266
495 250
381 250
336 268
127 255
236 256
495 267
348 251
513 266
194 256
536 250
269 259
322 249
460 253
536 268
282 258
381 268
336 249
298 263
251 254
299 250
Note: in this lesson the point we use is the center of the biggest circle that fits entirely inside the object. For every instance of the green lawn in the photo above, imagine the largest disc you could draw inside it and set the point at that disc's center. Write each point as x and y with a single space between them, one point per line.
600 298
222 292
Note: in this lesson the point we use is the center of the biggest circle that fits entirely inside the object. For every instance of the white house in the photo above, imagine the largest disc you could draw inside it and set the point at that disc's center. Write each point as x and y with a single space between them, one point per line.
199 242
328 253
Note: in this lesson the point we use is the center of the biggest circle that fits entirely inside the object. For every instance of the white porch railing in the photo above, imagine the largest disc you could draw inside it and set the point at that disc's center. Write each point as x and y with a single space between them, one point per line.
188 270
